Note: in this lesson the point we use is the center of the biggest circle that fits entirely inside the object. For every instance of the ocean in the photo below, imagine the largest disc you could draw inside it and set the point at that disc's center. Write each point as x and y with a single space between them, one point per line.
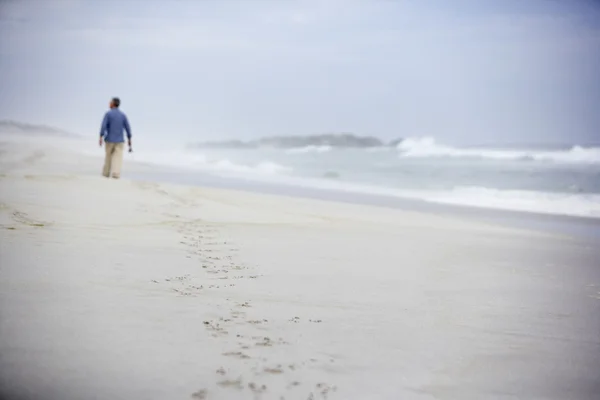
559 181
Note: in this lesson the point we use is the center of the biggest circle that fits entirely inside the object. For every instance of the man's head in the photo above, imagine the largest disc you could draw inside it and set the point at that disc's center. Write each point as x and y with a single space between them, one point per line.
115 102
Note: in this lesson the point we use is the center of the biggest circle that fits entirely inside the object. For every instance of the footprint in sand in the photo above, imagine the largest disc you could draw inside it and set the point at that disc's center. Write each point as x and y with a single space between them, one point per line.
232 384
215 328
274 371
324 389
257 389
200 394
237 354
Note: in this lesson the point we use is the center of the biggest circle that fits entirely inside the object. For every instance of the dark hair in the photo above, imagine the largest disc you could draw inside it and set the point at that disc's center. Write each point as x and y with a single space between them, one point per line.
116 101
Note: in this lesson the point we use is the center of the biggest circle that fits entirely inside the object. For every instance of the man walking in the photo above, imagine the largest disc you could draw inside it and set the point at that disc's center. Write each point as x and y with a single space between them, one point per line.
111 133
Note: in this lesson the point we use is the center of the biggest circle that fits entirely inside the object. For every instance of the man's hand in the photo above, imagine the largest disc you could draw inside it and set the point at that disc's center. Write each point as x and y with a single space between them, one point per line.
100 141
129 144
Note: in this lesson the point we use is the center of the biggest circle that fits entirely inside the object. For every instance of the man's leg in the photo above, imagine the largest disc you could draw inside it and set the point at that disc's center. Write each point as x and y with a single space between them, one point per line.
109 149
117 160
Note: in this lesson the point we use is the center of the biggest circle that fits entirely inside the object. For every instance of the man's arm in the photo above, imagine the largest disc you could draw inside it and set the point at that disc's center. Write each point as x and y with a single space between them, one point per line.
127 127
103 128
128 130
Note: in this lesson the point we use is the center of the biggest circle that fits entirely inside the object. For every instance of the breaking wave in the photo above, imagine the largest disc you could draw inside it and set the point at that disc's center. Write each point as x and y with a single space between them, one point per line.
216 165
428 147
552 203
309 149
569 204
582 205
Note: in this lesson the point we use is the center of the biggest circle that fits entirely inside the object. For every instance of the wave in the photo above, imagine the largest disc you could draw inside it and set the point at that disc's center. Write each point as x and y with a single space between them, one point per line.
567 204
428 147
263 167
582 205
203 163
309 149
378 149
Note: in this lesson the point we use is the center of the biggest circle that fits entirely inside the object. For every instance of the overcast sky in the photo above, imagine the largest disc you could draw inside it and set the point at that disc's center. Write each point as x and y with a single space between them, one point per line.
461 71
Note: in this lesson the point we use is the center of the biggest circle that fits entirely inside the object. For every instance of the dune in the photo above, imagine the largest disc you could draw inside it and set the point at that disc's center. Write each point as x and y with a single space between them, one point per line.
120 289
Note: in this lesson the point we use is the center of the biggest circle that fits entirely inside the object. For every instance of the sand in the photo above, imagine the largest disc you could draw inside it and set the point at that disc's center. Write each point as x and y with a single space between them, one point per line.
115 289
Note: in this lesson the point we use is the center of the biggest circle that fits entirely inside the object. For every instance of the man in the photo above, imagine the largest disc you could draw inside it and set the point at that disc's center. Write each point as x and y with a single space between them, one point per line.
111 133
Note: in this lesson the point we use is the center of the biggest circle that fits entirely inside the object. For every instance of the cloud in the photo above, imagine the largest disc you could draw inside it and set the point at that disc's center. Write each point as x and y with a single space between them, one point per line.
263 66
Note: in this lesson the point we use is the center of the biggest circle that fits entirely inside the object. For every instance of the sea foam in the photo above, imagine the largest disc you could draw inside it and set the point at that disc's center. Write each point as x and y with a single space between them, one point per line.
428 147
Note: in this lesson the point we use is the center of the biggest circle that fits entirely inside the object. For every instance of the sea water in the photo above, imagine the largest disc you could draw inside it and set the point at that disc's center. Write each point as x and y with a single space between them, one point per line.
562 180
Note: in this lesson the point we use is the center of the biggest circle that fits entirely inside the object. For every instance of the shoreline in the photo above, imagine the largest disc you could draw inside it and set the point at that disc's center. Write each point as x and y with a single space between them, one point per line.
569 225
577 225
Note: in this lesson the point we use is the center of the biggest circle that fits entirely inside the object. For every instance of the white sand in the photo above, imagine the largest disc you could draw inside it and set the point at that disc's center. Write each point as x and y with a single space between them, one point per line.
123 290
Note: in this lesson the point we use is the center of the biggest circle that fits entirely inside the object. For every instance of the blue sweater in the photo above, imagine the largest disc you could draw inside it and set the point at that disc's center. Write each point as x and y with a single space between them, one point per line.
113 124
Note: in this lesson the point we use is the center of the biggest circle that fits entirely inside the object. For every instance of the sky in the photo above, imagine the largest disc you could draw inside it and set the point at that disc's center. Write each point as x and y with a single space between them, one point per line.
462 71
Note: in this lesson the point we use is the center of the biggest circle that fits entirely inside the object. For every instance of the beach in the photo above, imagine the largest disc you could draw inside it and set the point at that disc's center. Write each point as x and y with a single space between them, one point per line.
130 289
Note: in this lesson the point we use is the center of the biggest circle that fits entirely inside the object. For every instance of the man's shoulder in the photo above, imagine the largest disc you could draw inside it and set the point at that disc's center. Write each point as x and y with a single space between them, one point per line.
115 112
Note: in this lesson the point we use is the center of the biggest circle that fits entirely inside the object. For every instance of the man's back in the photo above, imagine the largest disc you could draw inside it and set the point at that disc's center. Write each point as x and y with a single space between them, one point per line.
113 125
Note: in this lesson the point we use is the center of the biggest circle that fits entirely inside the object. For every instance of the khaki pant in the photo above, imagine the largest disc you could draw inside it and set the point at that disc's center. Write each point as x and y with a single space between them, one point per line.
113 159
